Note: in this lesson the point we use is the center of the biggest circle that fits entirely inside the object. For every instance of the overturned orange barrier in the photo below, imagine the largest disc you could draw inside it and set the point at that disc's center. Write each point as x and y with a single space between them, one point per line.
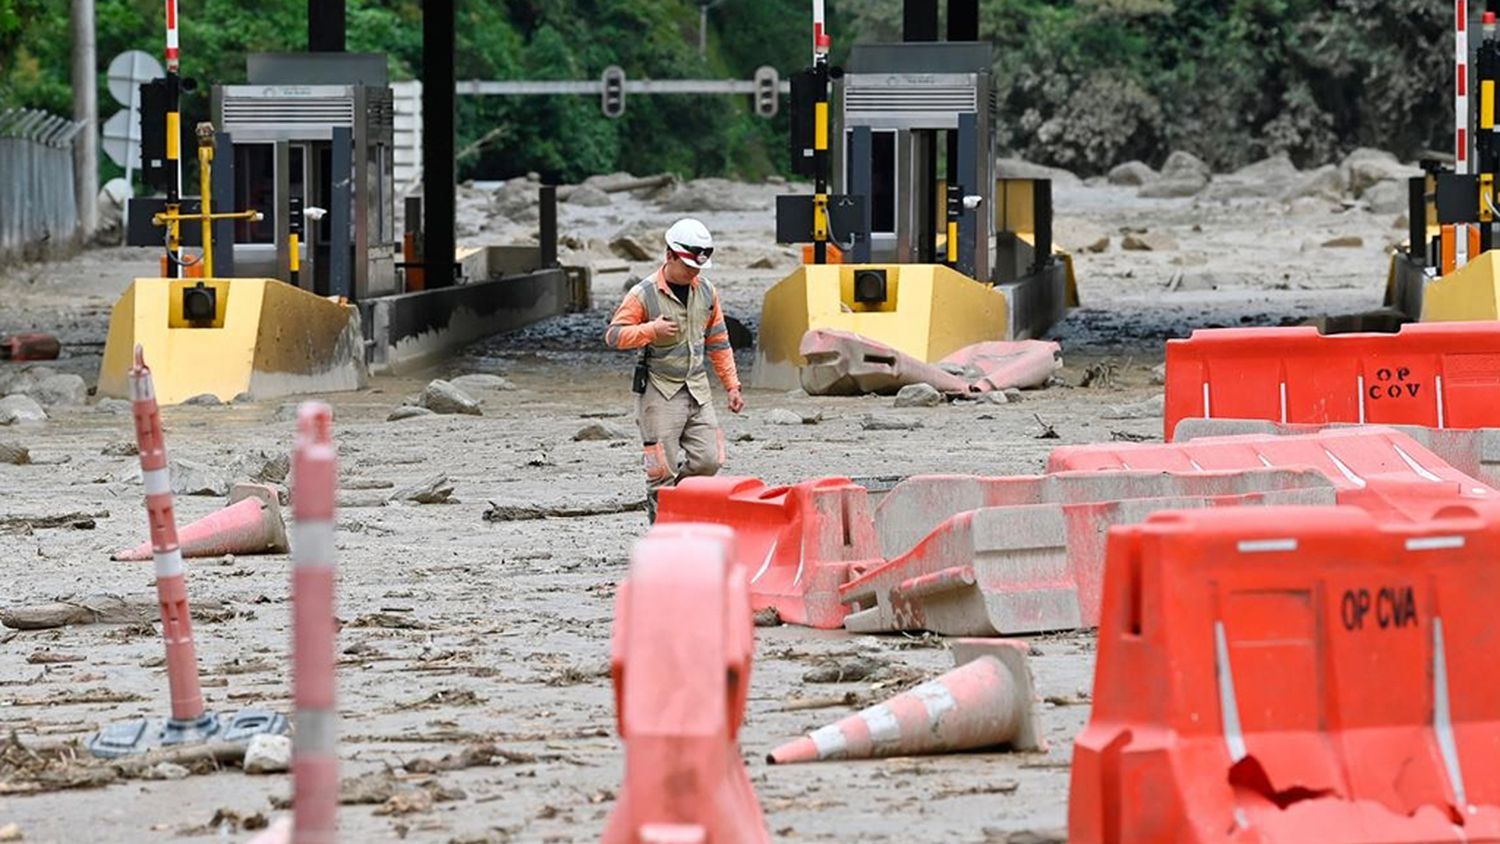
680 658
1295 674
1379 469
1438 374
971 556
988 700
798 543
842 363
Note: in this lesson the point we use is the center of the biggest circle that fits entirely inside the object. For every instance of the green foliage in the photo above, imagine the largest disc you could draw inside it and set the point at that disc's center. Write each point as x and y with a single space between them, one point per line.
1084 83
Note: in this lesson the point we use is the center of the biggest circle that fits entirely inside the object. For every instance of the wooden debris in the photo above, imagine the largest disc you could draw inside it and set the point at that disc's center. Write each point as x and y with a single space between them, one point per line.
100 609
526 512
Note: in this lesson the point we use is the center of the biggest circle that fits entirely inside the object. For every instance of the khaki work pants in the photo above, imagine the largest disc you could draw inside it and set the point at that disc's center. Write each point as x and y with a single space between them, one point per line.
681 437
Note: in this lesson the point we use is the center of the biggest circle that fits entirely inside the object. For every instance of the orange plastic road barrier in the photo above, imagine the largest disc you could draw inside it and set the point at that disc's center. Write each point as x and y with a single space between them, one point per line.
1379 469
1006 556
799 543
251 524
987 701
680 657
1475 452
1295 674
1440 374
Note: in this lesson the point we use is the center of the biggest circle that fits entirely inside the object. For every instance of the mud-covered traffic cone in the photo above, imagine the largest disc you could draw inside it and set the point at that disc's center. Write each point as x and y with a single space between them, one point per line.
30 346
251 524
987 701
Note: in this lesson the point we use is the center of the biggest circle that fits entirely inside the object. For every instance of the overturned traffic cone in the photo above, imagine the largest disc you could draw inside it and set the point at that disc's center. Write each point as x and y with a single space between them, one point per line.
30 346
251 524
681 650
987 701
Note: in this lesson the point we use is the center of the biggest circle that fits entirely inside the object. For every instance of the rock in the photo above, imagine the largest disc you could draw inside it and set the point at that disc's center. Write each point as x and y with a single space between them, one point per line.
629 248
1309 206
1182 164
888 423
190 477
11 832
1075 235
474 382
114 407
1015 168
994 397
60 391
1277 168
711 195
918 395
1387 197
439 396
1326 182
286 412
263 466
1148 242
1174 187
589 197
763 263
1132 174
408 411
268 754
1159 374
14 454
1365 168
1100 245
1149 409
1345 242
121 448
242 398
167 771
204 400
598 431
782 416
21 410
434 489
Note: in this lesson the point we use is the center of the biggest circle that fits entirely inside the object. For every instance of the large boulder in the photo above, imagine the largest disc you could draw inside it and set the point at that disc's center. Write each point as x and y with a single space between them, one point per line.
1278 167
60 391
1364 168
1132 174
702 195
1387 197
21 410
1326 182
1182 164
589 196
442 397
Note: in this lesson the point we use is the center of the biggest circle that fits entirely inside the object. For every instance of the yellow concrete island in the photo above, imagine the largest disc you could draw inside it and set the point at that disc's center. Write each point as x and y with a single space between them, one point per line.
229 337
925 310
1471 292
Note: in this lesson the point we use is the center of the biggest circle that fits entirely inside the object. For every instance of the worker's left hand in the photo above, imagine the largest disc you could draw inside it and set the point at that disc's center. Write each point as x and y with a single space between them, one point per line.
736 401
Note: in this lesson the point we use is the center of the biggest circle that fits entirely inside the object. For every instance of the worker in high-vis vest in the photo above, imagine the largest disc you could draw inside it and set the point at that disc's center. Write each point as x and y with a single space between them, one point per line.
673 317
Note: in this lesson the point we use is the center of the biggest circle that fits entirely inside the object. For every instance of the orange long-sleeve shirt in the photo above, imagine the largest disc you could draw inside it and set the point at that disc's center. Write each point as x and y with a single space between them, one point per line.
630 327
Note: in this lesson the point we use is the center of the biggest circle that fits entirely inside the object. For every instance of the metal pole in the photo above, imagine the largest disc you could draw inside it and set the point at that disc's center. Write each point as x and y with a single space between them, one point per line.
438 172
86 111
821 44
703 30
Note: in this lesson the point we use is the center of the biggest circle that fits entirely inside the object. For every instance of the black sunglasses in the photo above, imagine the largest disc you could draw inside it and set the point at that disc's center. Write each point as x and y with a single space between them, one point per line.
697 253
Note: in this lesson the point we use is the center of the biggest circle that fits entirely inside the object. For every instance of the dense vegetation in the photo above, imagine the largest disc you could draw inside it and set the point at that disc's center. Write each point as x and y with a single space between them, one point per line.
1086 83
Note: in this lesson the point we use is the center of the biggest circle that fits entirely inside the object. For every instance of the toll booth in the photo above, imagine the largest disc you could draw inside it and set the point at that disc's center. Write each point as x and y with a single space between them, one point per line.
917 121
301 121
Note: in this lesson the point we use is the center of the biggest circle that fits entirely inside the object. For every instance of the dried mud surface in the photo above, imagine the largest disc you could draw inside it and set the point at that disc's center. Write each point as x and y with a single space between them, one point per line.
487 642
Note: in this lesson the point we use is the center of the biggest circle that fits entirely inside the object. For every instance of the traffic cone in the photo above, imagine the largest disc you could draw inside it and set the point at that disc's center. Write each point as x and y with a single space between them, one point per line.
987 701
251 524
30 346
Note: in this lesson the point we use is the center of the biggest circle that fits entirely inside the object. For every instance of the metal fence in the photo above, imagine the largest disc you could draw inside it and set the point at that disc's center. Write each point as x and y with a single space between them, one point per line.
38 208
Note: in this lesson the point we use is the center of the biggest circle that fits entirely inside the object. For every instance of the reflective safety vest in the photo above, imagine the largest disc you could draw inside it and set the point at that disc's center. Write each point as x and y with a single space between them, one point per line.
673 363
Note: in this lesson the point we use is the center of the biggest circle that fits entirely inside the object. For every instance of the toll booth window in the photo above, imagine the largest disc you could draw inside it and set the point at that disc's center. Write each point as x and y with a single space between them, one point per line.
883 182
255 189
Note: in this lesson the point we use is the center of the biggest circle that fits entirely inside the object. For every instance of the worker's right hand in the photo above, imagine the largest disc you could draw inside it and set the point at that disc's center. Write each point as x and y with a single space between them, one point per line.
663 328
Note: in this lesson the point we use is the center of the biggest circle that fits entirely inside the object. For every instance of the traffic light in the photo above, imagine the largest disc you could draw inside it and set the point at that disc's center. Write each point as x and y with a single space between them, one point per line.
612 102
767 91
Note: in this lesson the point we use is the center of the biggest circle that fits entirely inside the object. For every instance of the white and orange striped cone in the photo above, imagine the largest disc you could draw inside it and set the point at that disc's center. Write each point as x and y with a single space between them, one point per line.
190 722
987 701
250 524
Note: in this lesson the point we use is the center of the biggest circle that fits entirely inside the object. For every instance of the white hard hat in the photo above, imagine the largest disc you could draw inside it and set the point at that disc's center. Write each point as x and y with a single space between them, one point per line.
689 240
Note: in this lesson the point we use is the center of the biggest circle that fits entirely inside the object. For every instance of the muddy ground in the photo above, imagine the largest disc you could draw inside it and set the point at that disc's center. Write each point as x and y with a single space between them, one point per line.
459 631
